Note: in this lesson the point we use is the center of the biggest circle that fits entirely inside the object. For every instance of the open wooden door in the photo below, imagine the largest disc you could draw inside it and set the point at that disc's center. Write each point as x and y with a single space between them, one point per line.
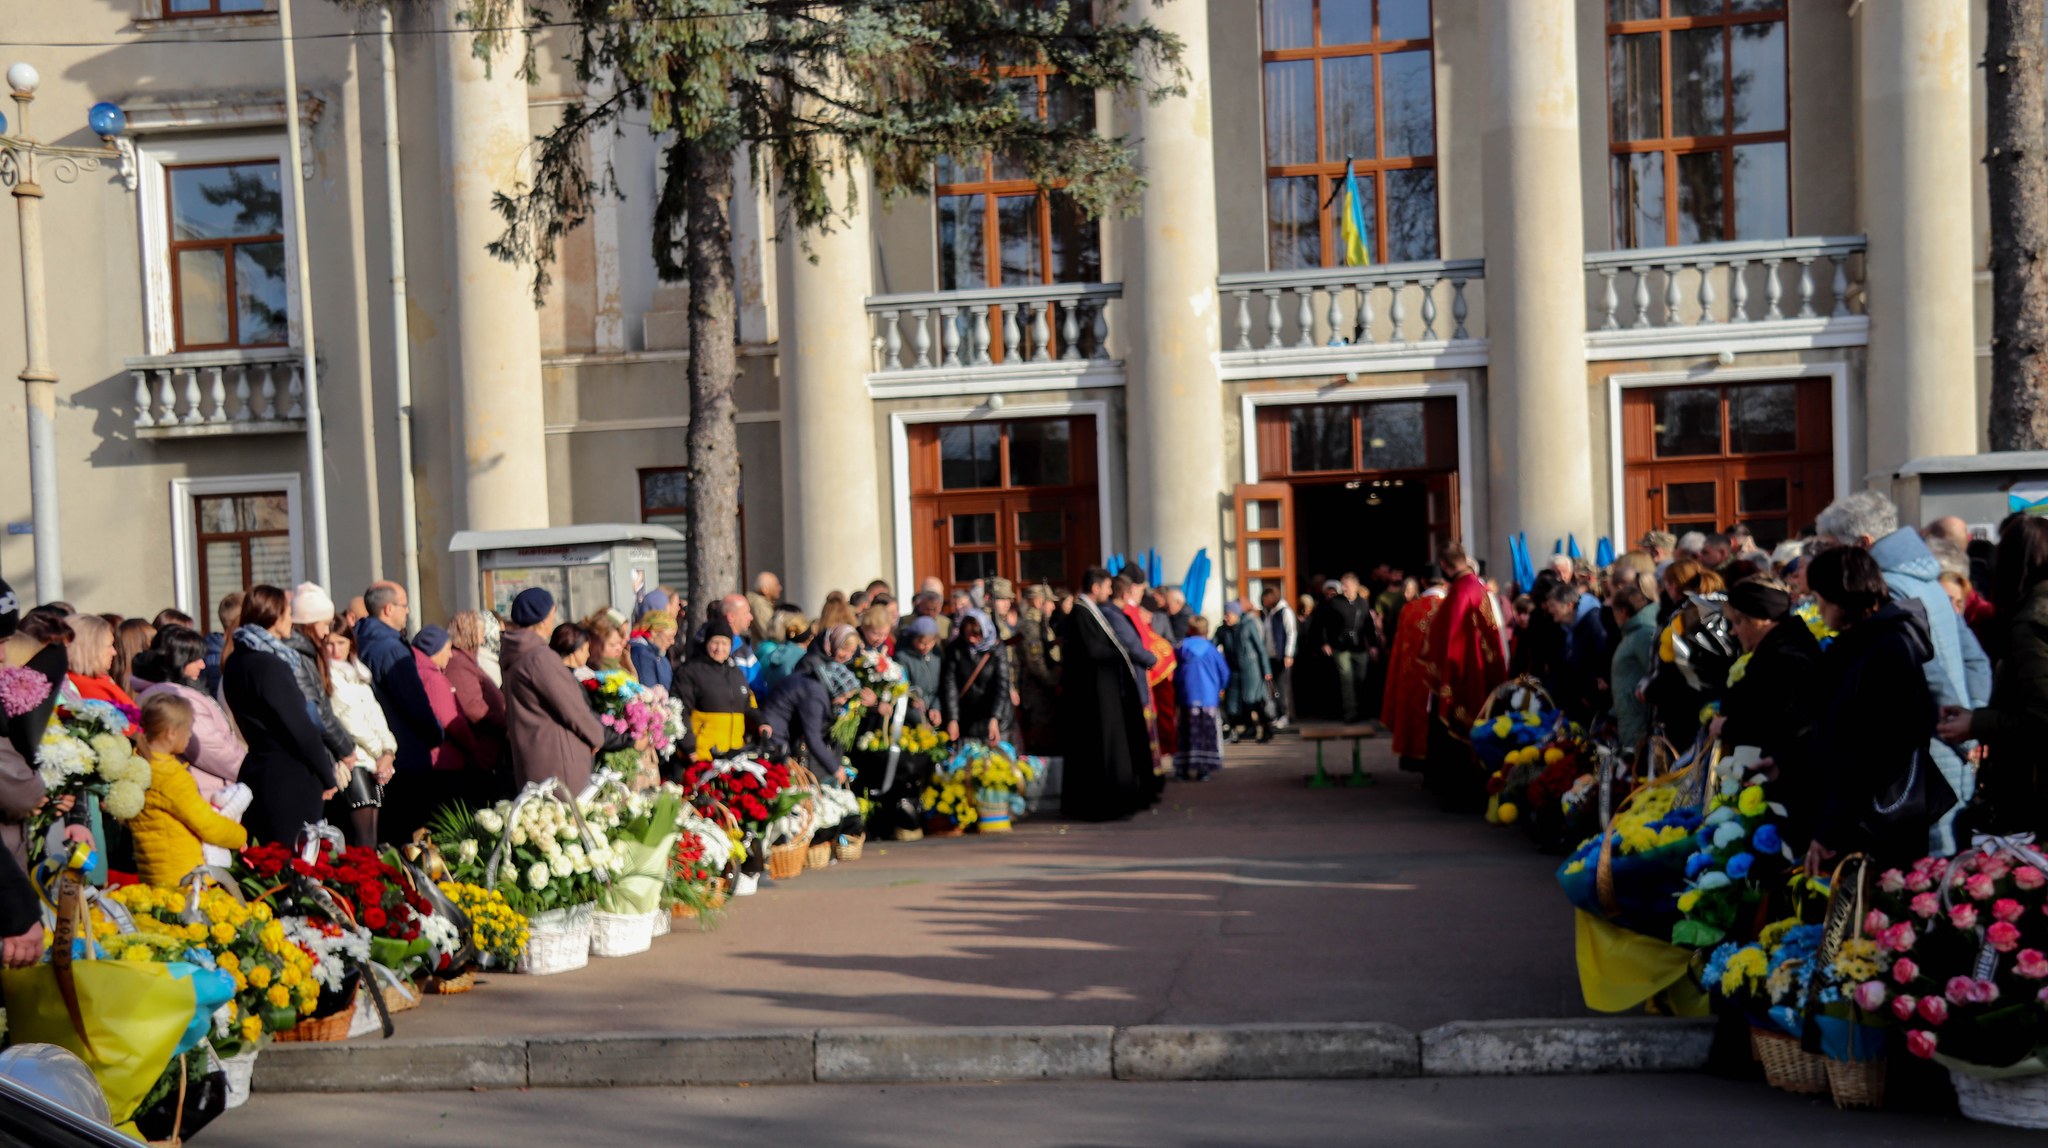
1265 540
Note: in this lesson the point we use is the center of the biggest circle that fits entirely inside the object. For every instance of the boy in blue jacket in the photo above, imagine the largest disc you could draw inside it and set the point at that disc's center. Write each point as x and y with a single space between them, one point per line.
1199 678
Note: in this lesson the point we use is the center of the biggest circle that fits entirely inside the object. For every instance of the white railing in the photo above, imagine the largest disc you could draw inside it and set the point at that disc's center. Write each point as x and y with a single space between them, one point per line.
1396 304
976 330
1758 281
229 391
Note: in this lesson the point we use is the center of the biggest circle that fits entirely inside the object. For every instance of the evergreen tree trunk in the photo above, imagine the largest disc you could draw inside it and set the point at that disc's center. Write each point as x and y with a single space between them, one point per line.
2017 134
714 468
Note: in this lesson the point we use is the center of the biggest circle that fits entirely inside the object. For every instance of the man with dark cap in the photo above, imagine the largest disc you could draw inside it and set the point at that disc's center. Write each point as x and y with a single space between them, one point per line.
548 725
1772 695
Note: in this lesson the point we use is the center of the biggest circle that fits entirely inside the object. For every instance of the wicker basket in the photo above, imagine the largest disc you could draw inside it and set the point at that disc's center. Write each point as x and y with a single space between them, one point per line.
848 848
449 986
238 1070
819 855
787 859
912 833
2020 1102
320 1029
1788 1067
1857 1083
401 998
620 934
557 941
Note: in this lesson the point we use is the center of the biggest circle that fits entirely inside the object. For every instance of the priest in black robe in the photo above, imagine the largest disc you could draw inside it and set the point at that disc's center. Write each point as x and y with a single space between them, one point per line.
1108 768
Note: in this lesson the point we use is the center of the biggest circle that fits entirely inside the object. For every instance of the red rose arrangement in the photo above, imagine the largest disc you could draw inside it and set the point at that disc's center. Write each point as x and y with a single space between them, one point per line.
381 901
688 863
757 792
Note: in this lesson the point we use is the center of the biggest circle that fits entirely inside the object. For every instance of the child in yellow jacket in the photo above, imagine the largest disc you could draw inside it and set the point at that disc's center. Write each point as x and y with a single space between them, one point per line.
175 821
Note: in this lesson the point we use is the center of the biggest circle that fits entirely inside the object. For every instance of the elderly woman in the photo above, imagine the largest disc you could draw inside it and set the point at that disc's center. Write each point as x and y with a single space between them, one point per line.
1770 700
478 697
653 637
714 692
548 724
288 766
974 681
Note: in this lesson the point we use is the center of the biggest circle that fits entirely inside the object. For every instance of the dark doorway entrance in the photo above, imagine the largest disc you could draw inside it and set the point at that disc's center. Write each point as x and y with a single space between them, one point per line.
1357 525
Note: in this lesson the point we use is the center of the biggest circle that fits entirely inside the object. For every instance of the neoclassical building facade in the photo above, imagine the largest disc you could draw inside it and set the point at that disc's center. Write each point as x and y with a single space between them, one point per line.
1633 264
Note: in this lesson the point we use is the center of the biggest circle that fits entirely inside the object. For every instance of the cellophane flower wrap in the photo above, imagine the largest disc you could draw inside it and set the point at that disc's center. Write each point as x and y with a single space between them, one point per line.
496 927
757 793
642 834
275 978
641 713
545 861
1651 839
1738 854
1961 956
875 670
86 751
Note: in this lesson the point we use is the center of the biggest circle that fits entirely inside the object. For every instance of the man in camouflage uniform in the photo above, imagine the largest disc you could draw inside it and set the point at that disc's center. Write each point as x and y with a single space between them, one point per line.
1036 674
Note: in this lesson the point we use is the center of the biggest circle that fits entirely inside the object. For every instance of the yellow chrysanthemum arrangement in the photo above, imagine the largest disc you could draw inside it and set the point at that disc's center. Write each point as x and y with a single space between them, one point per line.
498 929
274 986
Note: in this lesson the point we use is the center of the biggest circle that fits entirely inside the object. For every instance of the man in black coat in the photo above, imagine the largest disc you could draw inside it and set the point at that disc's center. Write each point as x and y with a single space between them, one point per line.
1771 704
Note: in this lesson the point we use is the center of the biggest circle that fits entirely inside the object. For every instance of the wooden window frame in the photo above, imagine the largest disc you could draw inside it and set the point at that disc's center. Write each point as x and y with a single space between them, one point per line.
933 506
201 539
213 9
1808 467
1672 147
1329 171
175 247
992 190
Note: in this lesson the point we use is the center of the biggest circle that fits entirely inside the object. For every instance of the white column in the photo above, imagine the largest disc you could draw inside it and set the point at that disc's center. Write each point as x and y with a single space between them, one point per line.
1914 172
1171 320
831 486
499 465
1539 458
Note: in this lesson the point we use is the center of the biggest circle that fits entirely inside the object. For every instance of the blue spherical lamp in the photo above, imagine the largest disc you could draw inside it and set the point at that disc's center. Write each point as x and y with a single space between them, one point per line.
106 119
3 123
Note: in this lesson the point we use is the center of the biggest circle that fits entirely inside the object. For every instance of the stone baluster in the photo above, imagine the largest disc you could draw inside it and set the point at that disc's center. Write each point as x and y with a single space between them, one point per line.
1609 301
892 341
1041 333
981 337
166 399
1429 310
949 335
192 415
1806 310
1840 286
1706 271
921 337
268 411
217 396
1672 295
295 392
1100 306
1738 291
1365 315
242 394
1070 331
1774 289
1458 307
1642 296
1013 337
1244 320
1272 318
1305 317
1397 313
143 416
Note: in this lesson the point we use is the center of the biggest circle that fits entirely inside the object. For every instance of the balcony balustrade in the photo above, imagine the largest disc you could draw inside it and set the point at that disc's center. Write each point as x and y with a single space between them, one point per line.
994 332
1396 311
231 391
1726 291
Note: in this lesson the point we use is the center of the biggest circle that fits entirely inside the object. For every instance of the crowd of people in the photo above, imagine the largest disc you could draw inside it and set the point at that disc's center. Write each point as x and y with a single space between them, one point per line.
1890 677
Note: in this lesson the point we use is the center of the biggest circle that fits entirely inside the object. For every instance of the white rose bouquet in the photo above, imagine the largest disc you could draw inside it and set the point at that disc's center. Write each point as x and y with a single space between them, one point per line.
539 851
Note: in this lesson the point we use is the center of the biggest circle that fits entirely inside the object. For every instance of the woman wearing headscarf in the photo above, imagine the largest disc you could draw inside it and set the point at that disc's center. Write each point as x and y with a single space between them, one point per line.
714 692
826 661
974 680
1243 642
481 701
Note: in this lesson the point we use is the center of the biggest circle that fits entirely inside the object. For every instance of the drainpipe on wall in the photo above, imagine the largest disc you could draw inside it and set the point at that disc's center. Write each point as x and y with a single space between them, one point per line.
401 331
316 453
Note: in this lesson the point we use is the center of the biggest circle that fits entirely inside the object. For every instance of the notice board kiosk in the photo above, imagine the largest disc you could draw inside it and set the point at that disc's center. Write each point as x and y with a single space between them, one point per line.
585 567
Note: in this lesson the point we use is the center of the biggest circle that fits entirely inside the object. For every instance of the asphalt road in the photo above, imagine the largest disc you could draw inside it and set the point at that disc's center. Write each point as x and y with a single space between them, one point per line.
1673 1111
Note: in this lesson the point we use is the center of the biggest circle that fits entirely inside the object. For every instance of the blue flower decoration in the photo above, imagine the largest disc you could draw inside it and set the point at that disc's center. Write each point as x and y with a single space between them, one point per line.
1739 865
1766 839
1695 863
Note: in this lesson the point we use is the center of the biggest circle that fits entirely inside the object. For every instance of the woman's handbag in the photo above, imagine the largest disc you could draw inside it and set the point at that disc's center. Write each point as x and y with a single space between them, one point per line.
363 792
1906 807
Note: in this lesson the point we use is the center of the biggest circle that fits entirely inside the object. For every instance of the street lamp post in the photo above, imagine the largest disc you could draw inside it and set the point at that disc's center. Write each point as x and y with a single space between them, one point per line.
22 159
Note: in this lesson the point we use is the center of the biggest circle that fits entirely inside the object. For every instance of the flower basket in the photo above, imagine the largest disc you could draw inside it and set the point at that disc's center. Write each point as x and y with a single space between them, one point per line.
401 997
449 986
992 817
907 833
1857 1083
238 1069
557 941
2016 1101
319 1029
819 855
1788 1067
787 859
620 934
848 848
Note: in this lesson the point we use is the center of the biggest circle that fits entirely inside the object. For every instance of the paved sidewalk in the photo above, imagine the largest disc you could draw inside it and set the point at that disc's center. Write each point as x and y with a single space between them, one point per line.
1246 898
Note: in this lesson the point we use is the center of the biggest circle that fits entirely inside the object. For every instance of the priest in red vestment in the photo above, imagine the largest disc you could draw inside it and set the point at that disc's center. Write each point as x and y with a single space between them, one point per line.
1464 658
1405 708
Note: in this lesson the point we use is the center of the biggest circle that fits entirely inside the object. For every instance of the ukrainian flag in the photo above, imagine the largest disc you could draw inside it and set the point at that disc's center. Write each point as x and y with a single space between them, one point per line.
1351 223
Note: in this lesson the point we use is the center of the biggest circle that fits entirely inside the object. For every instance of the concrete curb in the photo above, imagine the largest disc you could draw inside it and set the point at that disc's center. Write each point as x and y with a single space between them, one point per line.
1049 1052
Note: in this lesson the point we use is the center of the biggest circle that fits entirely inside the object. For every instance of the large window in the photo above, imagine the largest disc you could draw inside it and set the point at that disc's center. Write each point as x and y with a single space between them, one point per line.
1349 80
226 255
997 228
243 540
1702 457
177 8
1698 121
1015 499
